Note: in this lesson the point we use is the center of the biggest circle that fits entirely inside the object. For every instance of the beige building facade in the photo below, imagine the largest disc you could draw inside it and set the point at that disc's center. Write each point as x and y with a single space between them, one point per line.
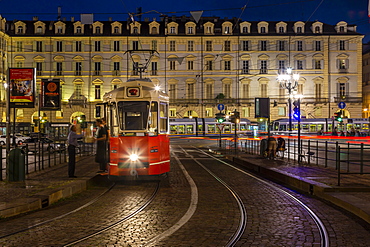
200 64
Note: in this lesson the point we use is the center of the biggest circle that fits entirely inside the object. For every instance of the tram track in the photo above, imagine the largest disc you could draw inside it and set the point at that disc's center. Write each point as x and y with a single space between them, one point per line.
324 237
62 215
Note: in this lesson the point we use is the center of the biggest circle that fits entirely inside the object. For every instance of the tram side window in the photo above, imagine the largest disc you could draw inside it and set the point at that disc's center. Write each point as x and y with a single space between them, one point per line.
211 128
133 115
163 117
189 129
153 121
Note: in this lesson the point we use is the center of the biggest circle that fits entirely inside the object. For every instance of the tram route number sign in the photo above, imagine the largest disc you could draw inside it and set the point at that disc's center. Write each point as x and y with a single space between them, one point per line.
220 127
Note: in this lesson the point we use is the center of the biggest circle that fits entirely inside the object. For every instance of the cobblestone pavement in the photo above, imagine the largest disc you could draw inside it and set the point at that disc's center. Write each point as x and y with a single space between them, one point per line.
273 220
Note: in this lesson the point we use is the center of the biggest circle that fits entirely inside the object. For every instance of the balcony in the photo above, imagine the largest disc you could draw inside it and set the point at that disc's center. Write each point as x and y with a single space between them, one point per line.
97 73
78 73
116 73
77 100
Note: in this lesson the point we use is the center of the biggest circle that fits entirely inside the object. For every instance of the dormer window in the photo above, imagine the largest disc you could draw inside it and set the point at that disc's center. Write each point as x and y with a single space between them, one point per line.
341 29
154 30
245 30
97 30
299 29
39 29
135 31
59 29
245 27
20 30
172 30
281 29
79 29
209 30
263 29
190 30
227 28
317 29
116 30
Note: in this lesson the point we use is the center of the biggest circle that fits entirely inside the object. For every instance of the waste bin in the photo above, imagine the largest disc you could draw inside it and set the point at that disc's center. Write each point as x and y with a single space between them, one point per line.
16 165
263 146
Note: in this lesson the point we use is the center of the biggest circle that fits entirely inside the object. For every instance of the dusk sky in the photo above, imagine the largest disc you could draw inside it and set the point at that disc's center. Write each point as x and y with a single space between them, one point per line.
327 11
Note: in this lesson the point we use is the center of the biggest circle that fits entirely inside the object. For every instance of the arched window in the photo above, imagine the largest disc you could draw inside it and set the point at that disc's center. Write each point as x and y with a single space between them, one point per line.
97 30
116 30
299 29
39 29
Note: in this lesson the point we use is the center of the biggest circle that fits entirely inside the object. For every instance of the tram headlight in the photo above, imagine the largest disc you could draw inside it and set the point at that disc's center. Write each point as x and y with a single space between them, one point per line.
134 157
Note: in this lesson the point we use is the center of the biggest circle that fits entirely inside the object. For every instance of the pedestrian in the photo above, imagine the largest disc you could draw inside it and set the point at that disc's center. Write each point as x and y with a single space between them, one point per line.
72 144
101 145
334 132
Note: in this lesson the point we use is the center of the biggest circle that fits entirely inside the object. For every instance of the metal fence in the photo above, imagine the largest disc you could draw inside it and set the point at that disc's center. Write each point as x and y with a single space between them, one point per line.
345 157
39 156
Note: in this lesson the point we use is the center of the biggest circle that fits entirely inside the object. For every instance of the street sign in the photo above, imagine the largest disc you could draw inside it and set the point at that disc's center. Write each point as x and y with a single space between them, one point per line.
342 105
220 126
220 107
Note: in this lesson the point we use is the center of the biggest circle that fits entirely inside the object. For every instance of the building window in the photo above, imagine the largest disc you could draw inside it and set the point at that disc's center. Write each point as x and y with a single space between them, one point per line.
135 66
191 90
97 92
299 29
135 30
317 64
264 90
281 45
263 69
172 30
116 68
78 46
38 46
97 45
172 91
78 29
19 64
19 46
190 30
227 45
299 64
78 91
263 45
116 46
154 30
342 45
116 30
59 68
135 45
209 65
299 45
245 45
227 30
342 90
97 30
227 65
227 90
341 29
59 30
78 68
245 30
208 45
190 65
263 29
190 45
245 91
172 45
39 30
342 64
209 91
245 69
317 29
59 46
39 68
317 45
154 68
154 45
281 29
20 30
281 65
318 91
172 65
97 67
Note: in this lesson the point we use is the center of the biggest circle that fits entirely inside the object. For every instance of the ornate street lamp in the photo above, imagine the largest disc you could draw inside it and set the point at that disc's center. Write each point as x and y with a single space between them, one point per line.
289 81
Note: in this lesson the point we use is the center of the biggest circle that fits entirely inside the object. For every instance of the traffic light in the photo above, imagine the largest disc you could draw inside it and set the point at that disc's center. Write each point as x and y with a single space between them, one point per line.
220 117
235 118
296 110
338 116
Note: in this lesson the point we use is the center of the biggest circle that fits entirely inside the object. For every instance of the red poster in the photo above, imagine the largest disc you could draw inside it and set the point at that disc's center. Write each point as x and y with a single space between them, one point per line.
22 87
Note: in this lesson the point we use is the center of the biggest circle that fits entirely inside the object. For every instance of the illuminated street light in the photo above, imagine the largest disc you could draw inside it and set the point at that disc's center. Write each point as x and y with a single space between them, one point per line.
289 81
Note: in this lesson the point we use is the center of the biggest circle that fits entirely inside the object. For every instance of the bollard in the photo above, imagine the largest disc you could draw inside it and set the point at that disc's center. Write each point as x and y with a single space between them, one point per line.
16 165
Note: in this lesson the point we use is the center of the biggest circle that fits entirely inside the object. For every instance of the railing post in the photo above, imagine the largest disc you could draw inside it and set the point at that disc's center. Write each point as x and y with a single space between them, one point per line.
317 152
362 159
348 146
309 151
338 162
1 163
326 153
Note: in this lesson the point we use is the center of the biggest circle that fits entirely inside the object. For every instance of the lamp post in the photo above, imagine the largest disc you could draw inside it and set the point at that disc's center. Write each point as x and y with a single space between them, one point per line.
289 81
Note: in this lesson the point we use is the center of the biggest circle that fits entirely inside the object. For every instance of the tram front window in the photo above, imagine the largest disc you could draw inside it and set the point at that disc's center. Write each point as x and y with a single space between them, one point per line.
133 115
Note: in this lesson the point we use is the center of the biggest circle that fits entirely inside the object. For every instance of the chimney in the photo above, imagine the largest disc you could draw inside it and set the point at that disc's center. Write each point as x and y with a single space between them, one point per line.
110 19
72 19
35 18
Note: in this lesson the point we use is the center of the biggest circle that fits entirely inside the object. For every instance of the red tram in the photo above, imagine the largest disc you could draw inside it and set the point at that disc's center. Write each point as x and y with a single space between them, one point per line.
137 116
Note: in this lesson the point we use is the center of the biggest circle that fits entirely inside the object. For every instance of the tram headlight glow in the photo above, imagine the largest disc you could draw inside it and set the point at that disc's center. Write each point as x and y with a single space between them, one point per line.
134 157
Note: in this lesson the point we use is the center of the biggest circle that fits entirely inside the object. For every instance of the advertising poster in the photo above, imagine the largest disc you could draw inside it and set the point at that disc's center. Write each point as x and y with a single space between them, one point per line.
50 95
22 87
